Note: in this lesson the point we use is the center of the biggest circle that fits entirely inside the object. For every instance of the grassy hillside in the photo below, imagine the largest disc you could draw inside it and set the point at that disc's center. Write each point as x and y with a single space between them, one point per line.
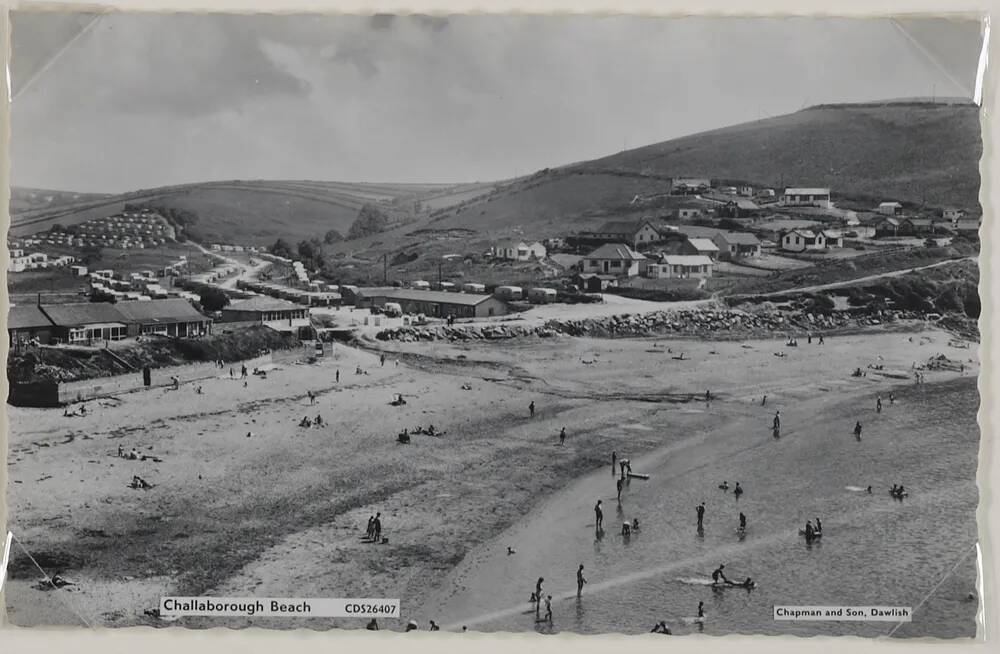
923 153
28 199
254 212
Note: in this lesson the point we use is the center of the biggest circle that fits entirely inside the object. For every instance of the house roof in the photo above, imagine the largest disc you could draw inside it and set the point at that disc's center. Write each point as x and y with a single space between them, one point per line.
687 260
920 222
615 251
832 233
745 204
440 297
738 238
703 245
503 245
807 191
262 303
629 227
161 311
27 317
83 313
970 225
804 233
891 221
889 204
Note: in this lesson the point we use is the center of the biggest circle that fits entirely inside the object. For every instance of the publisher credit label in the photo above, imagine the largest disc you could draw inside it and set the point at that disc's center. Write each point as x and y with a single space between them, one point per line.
275 607
855 613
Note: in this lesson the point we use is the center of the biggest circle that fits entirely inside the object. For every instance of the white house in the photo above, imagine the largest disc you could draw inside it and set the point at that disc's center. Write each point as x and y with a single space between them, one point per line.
806 197
736 244
952 214
518 251
536 250
800 240
890 209
680 266
746 191
833 238
613 259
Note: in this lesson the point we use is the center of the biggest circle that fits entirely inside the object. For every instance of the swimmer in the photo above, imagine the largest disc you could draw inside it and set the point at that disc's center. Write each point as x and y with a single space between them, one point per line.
724 485
743 522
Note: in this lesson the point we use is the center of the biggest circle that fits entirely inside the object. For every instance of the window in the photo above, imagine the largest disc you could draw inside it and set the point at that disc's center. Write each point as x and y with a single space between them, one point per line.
616 264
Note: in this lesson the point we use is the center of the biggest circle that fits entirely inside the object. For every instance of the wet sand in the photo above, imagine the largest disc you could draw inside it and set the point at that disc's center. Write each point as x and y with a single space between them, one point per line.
281 513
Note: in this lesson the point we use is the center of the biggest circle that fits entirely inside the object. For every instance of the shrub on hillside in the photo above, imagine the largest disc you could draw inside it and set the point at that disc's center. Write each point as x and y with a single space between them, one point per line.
370 220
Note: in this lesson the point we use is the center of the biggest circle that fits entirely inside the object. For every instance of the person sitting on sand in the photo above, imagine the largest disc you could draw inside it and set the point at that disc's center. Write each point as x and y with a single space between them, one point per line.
411 626
430 430
305 422
133 455
372 625
661 628
434 626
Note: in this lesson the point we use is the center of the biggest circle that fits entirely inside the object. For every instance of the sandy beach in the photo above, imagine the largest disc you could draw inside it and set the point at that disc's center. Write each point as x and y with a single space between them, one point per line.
244 502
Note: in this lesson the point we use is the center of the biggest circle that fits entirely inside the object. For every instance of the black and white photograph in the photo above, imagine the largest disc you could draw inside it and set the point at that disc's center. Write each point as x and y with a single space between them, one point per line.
591 324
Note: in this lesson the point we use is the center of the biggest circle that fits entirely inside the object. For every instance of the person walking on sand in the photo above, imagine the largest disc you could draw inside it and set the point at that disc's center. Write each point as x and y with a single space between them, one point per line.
580 581
599 515
701 514
562 436
531 408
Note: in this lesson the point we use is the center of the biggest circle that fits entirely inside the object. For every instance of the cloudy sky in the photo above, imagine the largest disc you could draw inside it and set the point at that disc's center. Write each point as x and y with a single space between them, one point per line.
125 101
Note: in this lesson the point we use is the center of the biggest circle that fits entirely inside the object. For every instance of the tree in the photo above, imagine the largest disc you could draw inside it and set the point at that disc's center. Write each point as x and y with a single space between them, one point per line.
212 299
282 249
333 236
370 221
56 228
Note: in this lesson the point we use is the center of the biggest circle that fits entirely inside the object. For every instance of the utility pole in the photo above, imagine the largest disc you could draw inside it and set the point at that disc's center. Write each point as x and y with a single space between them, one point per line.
385 269
440 277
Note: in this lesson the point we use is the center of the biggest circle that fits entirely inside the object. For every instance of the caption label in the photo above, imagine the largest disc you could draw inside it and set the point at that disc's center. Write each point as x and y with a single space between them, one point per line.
274 607
855 613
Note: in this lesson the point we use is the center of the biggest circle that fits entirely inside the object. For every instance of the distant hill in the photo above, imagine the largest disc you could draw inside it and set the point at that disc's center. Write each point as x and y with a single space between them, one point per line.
27 199
253 212
907 150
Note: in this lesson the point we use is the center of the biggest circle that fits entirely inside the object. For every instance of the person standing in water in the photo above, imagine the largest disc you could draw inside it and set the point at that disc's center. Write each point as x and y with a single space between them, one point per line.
580 581
743 522
857 430
892 399
531 408
620 484
548 609
599 515
562 436
701 609
717 574
777 420
819 526
701 514
737 491
878 404
614 461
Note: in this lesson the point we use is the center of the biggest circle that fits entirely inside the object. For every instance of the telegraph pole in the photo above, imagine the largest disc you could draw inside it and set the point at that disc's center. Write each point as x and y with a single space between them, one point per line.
440 277
385 269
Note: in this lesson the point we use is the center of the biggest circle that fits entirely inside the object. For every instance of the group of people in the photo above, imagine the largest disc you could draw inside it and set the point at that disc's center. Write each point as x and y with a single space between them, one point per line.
719 578
374 531
737 491
811 532
898 492
537 597
306 422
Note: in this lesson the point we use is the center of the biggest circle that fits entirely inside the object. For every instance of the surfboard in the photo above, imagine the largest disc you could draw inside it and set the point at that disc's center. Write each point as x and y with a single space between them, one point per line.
802 532
638 475
693 620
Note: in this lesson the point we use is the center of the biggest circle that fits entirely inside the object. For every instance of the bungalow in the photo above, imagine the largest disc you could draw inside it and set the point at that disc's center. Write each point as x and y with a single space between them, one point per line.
28 322
739 209
594 283
630 232
674 266
86 322
688 212
800 240
887 227
169 317
440 304
736 244
264 309
806 197
833 238
519 251
917 226
689 185
613 259
890 209
745 191
952 214
700 246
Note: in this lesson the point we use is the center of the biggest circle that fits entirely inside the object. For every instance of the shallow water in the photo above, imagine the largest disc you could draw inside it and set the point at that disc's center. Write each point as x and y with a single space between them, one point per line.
875 550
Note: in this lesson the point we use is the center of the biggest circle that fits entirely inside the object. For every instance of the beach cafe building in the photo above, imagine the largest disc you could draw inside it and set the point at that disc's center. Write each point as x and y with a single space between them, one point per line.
438 304
87 323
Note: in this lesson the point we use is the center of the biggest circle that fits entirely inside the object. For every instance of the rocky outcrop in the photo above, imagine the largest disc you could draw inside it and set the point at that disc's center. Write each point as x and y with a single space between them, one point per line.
702 323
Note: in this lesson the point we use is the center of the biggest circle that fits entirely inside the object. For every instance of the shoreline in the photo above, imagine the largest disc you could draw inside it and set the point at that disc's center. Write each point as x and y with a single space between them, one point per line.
438 507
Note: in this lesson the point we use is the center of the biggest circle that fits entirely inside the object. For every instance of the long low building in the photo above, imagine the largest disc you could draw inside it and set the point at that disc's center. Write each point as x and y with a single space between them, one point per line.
86 323
438 304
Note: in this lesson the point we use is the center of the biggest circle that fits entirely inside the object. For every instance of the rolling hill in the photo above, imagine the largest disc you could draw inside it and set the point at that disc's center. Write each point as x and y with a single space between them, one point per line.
252 212
909 150
918 152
